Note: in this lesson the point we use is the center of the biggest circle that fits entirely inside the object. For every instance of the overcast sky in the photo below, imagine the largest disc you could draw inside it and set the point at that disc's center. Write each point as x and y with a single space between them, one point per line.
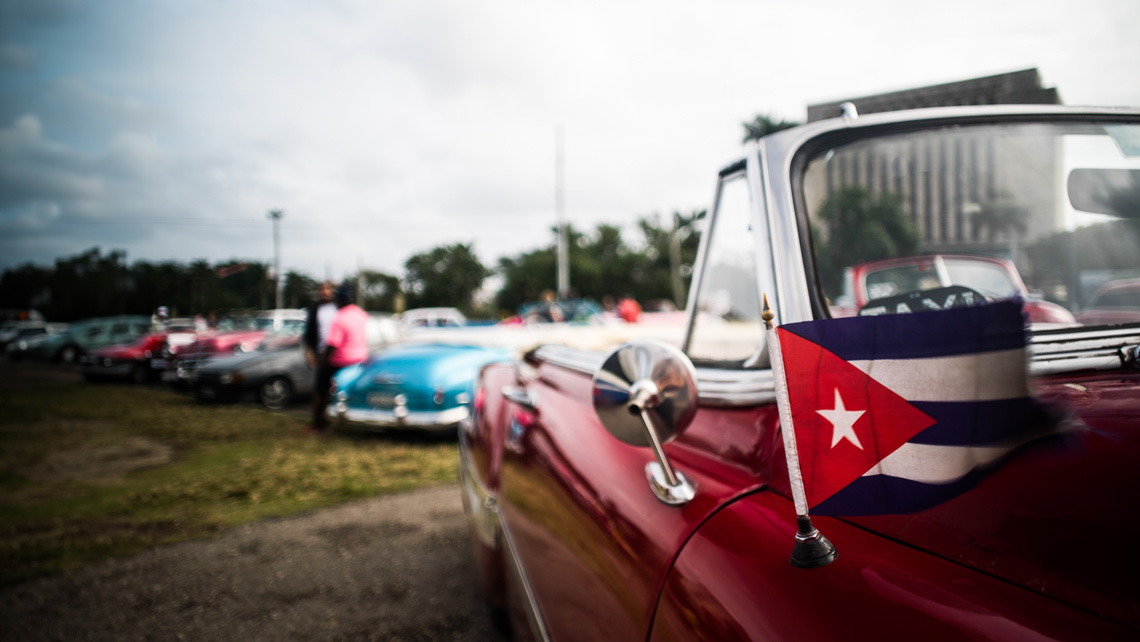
169 129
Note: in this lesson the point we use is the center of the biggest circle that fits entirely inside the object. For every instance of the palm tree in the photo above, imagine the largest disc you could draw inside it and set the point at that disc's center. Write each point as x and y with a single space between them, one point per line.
764 124
1000 217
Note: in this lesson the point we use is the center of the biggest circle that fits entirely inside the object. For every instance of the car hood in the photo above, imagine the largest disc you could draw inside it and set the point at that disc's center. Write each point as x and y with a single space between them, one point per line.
224 341
420 366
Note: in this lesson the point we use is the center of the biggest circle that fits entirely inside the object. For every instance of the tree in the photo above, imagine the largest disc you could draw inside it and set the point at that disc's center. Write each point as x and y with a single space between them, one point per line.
604 263
525 277
378 291
998 218
671 253
300 290
858 227
448 275
764 124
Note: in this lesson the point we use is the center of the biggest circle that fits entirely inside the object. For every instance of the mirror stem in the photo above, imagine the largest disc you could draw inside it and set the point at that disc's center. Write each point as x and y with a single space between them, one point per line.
658 449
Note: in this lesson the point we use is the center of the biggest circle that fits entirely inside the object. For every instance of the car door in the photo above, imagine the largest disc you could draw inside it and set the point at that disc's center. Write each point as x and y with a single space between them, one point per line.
93 337
586 533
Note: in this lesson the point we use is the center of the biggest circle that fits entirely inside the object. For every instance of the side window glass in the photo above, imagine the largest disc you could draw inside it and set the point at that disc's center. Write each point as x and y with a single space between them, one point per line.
727 329
119 328
94 331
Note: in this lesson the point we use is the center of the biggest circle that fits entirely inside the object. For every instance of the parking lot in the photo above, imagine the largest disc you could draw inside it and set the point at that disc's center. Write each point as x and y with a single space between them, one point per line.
388 567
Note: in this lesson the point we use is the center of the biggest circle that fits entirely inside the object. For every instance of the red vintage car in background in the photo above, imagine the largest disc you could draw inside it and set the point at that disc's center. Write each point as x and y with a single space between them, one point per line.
141 360
1115 302
233 335
587 529
993 277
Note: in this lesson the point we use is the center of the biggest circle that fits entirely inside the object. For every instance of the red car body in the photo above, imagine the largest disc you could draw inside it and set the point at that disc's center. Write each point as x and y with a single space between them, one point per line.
1115 302
182 360
128 361
569 539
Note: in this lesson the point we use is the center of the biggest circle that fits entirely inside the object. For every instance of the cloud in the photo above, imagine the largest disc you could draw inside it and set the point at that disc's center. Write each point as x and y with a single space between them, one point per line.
18 15
383 129
17 58
30 216
34 169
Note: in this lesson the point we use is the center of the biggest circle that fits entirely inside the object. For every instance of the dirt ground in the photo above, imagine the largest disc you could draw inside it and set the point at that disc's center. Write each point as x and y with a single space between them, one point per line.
392 568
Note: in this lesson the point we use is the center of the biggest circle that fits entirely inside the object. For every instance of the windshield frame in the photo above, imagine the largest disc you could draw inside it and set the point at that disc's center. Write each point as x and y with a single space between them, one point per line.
862 128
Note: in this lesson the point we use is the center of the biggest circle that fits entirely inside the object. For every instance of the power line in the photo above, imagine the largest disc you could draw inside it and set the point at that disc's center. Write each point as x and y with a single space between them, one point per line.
227 222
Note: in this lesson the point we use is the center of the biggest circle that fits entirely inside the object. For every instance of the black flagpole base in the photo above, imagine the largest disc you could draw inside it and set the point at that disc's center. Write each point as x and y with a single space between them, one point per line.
812 549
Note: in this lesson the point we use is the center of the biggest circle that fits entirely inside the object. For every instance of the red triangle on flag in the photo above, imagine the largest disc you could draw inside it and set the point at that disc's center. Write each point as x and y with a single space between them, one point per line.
845 421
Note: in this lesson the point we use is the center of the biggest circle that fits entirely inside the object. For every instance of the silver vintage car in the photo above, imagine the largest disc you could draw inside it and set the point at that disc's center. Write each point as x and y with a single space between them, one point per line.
276 372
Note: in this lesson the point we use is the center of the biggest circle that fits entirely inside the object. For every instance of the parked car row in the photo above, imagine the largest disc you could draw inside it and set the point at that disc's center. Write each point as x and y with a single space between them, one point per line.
404 383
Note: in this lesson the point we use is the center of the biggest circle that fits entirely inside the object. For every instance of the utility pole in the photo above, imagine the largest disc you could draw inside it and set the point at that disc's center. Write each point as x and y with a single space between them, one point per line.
560 213
276 216
675 238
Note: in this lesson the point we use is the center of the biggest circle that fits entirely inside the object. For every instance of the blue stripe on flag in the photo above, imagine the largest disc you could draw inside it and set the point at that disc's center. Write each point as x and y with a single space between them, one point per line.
886 495
980 423
942 333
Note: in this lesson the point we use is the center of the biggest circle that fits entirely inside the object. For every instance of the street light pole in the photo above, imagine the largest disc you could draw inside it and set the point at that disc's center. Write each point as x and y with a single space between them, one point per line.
276 216
563 249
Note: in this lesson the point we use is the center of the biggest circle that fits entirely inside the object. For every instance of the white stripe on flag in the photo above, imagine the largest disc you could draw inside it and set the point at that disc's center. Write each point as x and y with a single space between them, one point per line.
986 376
944 464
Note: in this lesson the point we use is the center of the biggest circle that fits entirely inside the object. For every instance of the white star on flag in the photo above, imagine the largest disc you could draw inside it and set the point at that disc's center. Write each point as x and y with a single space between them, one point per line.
842 422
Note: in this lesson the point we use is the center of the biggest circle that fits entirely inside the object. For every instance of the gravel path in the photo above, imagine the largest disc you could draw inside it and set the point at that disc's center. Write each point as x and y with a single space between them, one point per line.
391 568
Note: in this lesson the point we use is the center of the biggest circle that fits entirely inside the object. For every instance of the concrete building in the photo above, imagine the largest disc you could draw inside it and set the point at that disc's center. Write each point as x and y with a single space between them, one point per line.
1014 88
949 183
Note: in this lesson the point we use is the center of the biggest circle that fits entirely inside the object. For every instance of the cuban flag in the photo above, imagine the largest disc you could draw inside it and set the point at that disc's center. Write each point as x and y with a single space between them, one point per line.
897 413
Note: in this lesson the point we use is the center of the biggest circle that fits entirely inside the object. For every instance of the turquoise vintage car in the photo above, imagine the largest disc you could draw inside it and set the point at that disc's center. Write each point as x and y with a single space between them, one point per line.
415 386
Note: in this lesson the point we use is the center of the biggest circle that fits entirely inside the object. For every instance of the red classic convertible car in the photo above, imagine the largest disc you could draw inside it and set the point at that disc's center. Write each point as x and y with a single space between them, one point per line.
660 492
993 277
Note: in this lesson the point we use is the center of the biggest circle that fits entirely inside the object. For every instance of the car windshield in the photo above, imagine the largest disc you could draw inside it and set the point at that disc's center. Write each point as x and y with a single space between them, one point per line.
233 324
1045 212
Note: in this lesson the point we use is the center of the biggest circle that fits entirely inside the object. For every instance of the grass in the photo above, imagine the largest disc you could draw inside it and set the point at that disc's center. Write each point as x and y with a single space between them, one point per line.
89 471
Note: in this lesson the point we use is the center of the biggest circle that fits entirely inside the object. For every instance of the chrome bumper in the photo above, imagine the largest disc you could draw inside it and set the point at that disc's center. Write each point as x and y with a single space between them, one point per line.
398 417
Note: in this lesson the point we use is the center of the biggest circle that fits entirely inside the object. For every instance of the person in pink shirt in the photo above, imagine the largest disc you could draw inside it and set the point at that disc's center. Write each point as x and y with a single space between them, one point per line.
346 344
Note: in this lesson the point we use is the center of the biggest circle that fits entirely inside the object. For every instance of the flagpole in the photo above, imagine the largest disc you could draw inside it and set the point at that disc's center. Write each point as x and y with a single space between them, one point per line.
812 549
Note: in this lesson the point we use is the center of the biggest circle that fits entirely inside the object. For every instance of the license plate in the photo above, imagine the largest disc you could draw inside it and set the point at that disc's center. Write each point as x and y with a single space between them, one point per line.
207 392
158 364
381 399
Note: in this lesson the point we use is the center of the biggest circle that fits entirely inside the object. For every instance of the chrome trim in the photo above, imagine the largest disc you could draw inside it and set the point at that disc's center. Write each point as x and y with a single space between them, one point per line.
1053 353
577 359
533 615
677 494
728 171
521 396
394 418
1069 351
716 387
480 505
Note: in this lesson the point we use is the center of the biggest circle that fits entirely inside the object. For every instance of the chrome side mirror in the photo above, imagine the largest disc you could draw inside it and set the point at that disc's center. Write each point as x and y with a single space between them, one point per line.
645 394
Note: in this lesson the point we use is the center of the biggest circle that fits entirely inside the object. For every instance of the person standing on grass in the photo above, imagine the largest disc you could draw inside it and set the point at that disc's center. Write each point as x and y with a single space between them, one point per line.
346 344
317 323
